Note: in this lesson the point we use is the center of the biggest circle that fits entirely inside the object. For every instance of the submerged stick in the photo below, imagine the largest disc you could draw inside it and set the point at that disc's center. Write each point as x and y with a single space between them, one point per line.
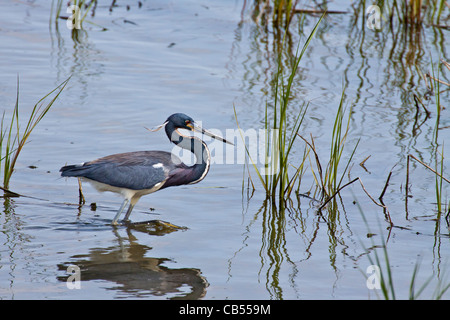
10 193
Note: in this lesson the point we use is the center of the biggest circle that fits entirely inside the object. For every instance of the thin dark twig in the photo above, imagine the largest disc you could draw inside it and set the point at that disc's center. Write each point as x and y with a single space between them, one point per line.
368 194
406 187
386 185
417 100
319 167
364 161
428 167
330 198
381 204
365 191
447 217
113 4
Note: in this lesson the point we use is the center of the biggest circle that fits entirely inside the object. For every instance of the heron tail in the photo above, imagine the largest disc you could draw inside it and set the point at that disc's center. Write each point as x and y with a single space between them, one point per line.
72 170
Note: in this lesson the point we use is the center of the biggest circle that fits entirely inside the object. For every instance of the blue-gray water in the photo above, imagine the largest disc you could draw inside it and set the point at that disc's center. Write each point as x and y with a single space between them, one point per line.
203 59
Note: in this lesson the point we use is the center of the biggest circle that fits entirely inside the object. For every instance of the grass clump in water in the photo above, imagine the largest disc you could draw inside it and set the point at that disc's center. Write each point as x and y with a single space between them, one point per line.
330 182
78 8
279 139
13 139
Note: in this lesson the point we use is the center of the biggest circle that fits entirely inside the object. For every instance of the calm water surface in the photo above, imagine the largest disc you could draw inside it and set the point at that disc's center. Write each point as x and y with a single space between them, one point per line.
133 68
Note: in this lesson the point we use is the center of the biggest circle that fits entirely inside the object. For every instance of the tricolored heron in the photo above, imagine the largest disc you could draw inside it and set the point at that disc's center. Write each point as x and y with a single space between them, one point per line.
135 174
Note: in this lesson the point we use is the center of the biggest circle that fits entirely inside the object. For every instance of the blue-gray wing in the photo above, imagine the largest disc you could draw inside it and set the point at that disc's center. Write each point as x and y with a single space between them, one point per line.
132 170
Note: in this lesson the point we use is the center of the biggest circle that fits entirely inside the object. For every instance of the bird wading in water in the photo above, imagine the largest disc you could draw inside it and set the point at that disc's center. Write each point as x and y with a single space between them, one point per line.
135 174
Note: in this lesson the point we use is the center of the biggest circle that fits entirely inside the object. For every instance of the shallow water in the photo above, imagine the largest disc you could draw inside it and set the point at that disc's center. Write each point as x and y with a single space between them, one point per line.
202 59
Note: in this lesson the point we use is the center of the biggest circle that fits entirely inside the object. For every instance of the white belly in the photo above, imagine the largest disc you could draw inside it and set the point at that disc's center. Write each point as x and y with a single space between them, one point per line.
126 193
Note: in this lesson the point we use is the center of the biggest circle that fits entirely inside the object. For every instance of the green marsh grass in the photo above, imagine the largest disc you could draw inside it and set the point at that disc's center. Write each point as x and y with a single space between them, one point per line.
279 12
83 6
278 147
439 167
329 173
438 156
414 12
330 182
77 17
13 138
333 179
286 174
439 180
386 278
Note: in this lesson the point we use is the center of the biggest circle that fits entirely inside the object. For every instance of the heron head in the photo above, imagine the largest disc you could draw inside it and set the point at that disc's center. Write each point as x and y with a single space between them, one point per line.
182 121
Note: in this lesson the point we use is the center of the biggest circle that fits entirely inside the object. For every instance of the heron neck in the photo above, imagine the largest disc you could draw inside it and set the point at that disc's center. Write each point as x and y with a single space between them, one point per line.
198 147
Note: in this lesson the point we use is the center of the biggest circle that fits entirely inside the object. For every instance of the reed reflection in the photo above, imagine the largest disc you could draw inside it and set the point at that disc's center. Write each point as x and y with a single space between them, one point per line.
292 237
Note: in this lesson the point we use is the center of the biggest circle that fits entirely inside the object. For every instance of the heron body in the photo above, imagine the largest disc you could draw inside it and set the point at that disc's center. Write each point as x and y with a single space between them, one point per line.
135 174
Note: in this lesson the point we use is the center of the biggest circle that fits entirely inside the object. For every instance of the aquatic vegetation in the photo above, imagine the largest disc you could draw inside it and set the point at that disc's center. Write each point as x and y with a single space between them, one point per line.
401 17
382 275
77 11
278 149
279 12
281 180
330 182
385 278
13 138
416 11
403 30
78 8
438 156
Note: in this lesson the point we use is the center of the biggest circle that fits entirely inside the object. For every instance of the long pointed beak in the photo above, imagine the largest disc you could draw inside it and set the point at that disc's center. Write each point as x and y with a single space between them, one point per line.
197 128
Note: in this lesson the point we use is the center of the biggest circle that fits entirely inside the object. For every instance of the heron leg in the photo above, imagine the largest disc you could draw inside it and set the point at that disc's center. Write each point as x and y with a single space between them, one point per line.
125 202
130 208
81 199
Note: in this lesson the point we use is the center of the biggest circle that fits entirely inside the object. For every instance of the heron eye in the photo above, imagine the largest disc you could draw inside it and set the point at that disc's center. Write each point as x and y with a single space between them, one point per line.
187 121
